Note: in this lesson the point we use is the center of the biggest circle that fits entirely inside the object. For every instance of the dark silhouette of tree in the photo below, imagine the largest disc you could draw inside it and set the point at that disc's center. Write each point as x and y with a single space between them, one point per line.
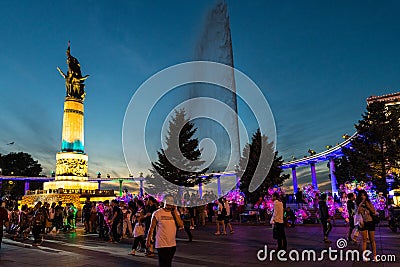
181 171
375 152
251 156
19 164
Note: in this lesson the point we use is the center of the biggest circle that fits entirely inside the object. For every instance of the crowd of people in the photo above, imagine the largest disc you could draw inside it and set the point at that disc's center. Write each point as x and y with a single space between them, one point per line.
41 219
141 216
117 219
362 219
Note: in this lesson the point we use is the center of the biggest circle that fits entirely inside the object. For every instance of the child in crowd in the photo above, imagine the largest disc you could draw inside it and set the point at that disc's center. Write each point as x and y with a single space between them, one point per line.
138 236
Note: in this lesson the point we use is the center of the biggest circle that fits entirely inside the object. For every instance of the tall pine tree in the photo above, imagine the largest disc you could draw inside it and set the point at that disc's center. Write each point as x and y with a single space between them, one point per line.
179 171
375 152
248 164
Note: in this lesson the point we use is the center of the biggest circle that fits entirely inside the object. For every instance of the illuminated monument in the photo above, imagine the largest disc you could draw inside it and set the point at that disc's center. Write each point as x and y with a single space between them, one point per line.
72 162
71 183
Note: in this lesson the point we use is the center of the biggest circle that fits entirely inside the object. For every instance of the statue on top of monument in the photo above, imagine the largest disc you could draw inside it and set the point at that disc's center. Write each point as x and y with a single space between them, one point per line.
73 79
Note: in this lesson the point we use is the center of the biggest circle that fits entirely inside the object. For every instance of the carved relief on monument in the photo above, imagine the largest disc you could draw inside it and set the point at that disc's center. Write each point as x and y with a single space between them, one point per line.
71 167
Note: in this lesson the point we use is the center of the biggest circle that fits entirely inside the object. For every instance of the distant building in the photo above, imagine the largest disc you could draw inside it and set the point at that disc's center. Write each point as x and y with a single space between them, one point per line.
389 99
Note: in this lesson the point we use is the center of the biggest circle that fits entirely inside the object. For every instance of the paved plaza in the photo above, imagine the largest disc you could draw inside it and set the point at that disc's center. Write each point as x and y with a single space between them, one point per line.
238 249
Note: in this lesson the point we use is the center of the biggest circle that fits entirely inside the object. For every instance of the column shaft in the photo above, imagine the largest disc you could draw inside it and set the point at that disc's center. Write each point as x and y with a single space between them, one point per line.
333 176
201 190
141 193
294 176
26 187
313 176
120 188
219 185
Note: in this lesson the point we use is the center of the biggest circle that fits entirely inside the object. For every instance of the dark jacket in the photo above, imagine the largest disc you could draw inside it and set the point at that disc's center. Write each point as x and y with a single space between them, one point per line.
323 210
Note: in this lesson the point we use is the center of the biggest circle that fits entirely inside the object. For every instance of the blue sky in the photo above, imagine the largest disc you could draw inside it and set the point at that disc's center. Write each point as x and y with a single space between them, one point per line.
315 61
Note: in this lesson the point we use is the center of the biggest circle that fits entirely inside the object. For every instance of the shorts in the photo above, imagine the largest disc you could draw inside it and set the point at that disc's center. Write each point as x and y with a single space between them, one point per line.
368 226
220 217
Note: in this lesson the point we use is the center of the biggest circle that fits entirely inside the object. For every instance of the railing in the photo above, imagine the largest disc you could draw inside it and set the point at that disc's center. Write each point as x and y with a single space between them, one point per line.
322 155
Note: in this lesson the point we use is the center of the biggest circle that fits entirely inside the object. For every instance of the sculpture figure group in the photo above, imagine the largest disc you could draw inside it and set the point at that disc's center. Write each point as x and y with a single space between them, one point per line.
74 82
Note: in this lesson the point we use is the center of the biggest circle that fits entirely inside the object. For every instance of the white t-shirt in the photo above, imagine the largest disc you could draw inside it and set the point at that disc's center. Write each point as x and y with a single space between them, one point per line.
138 230
165 229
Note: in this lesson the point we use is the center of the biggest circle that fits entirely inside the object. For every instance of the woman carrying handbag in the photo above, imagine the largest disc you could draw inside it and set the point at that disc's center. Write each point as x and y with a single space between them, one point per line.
367 211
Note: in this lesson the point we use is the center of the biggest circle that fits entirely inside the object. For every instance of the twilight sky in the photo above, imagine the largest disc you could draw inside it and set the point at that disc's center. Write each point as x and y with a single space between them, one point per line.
315 61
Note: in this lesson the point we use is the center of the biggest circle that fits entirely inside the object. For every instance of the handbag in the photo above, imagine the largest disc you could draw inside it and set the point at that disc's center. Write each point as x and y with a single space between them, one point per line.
358 220
375 217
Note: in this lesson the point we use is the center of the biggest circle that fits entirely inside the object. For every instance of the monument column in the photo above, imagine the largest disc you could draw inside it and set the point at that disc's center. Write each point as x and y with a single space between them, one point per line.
71 161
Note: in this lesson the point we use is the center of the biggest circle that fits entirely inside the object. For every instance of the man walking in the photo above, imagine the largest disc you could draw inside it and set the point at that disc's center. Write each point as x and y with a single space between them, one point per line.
38 224
165 221
277 221
324 217
115 221
3 220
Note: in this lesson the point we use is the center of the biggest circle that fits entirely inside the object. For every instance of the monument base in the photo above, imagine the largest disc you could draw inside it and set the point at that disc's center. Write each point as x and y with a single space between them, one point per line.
70 185
77 199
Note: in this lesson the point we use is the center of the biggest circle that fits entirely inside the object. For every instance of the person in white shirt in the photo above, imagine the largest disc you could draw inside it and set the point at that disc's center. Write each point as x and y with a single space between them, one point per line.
165 221
138 235
277 221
